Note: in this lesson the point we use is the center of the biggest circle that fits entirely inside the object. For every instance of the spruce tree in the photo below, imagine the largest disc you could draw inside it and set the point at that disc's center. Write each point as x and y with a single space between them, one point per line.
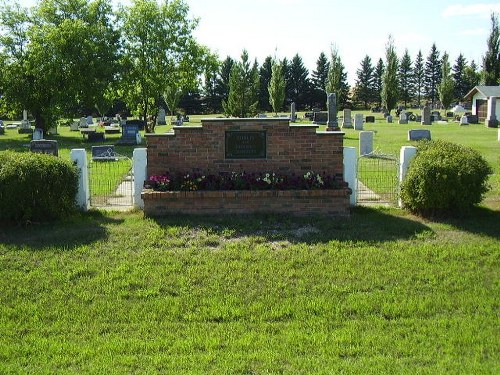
264 79
364 82
390 77
405 75
418 77
276 87
461 87
472 76
299 82
222 81
318 81
243 89
432 75
377 82
446 87
491 61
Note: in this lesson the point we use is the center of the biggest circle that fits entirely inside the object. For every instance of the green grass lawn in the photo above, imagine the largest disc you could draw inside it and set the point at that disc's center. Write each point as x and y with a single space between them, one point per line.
379 292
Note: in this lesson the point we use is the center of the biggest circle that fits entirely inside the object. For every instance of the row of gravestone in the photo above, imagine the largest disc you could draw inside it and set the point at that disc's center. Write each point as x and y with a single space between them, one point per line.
366 139
50 147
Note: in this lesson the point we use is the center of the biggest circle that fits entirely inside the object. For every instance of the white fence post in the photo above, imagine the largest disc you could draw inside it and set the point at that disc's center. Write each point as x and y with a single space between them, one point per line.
407 153
350 171
79 157
140 164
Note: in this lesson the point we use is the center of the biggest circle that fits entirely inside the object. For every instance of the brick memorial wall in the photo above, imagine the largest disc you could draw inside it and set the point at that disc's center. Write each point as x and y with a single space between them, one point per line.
246 145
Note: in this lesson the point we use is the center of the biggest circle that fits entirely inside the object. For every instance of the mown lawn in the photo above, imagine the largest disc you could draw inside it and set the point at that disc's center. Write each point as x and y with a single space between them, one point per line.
379 292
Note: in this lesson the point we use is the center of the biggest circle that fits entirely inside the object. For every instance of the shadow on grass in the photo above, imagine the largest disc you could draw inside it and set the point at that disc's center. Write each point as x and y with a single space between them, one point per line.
80 229
364 225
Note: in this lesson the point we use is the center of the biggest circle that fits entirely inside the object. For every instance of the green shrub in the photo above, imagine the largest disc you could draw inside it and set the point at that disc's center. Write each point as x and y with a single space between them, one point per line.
444 178
36 187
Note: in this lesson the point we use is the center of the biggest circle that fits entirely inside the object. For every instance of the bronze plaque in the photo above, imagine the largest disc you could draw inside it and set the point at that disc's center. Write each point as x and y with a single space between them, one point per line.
245 144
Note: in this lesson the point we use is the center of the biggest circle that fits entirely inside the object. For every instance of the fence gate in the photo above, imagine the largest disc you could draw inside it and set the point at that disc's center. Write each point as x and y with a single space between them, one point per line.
377 179
110 178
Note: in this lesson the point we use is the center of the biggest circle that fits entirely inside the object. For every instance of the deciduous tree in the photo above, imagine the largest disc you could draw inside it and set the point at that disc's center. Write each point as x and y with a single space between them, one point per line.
446 87
390 77
491 60
276 86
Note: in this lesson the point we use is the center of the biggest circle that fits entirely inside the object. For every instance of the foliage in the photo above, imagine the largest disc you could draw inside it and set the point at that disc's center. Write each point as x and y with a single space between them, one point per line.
446 88
461 84
406 79
390 89
471 75
491 60
419 76
299 86
48 47
432 75
445 179
364 82
36 187
265 77
160 54
377 81
212 66
318 81
243 89
242 181
276 87
337 79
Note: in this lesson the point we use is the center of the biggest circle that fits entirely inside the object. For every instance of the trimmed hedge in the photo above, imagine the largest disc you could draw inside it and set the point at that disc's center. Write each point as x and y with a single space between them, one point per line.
36 187
444 178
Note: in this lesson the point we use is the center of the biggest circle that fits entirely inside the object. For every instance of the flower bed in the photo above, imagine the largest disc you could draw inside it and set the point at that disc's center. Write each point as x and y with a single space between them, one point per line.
241 193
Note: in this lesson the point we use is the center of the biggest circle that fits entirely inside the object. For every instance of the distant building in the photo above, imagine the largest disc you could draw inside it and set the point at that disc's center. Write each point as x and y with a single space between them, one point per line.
479 96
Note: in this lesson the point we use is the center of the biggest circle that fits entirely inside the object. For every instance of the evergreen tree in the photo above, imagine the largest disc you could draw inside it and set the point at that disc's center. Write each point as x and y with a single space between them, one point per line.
287 71
243 89
264 79
276 87
491 61
319 77
299 82
364 82
390 77
406 87
337 80
432 75
461 86
211 101
418 77
222 82
377 82
446 87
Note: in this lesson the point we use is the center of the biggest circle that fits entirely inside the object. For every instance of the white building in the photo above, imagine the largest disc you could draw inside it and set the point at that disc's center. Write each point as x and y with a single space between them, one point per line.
479 96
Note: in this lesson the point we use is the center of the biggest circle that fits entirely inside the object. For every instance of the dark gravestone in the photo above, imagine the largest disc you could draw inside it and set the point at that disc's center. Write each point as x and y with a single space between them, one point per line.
45 146
139 123
95 137
103 153
129 134
370 119
245 145
473 119
320 118
419 134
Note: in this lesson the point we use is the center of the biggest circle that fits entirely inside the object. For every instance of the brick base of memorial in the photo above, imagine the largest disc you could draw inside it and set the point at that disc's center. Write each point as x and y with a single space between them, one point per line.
251 146
294 202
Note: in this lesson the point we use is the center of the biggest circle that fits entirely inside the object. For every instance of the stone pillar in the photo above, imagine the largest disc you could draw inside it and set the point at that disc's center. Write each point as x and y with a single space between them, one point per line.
358 121
350 171
491 117
332 123
140 164
79 157
406 155
426 116
347 121
365 143
292 112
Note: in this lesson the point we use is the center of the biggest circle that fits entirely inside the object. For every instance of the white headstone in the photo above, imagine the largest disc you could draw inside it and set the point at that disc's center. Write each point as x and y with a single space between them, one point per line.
491 117
25 115
74 126
25 124
347 121
464 120
90 120
365 142
358 121
161 120
403 118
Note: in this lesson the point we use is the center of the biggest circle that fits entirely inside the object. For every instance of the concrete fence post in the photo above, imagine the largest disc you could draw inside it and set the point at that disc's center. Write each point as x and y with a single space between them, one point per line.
407 153
140 164
79 157
350 171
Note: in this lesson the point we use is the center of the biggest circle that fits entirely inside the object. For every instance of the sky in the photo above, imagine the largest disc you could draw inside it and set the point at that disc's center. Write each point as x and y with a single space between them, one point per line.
355 28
